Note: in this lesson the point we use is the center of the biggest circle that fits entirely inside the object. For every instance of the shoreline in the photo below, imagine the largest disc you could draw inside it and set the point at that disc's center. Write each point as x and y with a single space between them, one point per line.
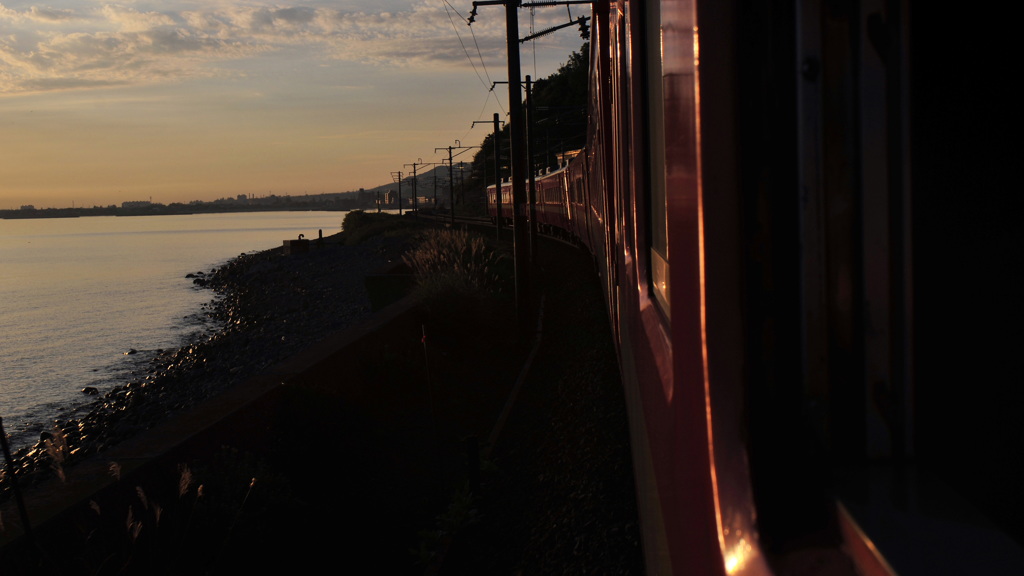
361 428
264 307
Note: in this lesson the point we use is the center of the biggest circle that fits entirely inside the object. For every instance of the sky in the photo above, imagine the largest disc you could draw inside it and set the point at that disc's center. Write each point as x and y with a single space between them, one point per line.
180 100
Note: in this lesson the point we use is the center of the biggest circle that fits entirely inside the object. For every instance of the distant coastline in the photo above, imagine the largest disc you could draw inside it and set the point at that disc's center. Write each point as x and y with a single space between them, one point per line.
363 199
320 202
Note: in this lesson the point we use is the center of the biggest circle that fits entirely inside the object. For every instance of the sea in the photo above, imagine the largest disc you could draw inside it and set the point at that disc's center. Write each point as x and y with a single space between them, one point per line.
86 301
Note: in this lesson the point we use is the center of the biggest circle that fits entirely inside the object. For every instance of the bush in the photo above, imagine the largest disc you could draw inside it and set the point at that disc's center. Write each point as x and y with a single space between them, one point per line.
359 225
453 262
464 285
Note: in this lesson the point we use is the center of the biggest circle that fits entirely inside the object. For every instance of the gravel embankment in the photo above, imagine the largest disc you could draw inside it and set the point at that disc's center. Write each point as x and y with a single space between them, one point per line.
558 496
268 306
344 485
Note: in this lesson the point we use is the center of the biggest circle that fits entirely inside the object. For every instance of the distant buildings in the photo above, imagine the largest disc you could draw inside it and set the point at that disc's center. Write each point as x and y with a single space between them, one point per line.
340 201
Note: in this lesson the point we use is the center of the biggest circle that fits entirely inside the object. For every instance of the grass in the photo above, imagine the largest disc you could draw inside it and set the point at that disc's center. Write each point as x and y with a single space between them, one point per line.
453 261
157 522
464 279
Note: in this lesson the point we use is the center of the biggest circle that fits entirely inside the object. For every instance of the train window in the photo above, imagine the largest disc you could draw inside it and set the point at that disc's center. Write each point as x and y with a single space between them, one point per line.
658 225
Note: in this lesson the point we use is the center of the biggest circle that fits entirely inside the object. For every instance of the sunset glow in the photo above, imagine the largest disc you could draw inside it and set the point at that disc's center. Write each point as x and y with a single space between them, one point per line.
185 100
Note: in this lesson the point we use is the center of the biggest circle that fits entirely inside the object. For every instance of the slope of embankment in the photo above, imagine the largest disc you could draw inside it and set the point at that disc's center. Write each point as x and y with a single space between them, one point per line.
357 450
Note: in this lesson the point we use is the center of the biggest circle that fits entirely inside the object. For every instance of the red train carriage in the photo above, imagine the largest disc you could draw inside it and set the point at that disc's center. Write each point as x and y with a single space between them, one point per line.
745 192
505 204
577 206
550 203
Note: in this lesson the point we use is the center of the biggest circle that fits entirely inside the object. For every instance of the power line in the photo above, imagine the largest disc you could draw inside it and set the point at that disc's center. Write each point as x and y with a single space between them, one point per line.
533 45
447 5
490 92
479 54
448 8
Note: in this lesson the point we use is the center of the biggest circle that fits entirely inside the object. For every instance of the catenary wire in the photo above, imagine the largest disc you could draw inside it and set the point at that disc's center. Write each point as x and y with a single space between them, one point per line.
448 9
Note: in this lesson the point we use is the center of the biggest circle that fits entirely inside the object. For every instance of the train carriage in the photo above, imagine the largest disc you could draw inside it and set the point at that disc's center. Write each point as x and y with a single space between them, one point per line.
745 192
577 205
505 204
550 203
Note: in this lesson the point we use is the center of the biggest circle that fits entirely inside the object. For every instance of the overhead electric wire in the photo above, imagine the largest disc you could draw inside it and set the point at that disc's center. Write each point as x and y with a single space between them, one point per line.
490 85
484 66
448 10
481 114
447 5
533 43
479 54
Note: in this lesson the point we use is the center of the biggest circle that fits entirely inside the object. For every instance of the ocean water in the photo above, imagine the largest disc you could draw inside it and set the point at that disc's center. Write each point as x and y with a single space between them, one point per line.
77 294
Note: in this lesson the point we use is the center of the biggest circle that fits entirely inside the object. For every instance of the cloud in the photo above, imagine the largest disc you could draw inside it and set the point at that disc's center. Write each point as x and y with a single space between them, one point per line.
297 16
51 14
37 14
129 19
52 84
59 49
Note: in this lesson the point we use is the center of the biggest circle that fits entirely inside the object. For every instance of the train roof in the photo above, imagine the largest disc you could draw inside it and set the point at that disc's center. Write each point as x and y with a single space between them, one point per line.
542 175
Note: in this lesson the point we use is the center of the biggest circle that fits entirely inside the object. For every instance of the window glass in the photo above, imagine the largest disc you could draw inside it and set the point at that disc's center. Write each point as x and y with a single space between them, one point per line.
658 225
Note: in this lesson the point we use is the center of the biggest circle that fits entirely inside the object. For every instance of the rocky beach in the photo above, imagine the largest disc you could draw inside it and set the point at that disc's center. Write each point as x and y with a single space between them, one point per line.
264 307
464 453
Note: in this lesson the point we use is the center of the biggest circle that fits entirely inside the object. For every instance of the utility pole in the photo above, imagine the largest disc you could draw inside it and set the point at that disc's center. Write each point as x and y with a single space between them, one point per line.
462 182
515 103
496 140
497 172
397 176
517 127
517 163
451 202
415 197
451 175
434 171
533 184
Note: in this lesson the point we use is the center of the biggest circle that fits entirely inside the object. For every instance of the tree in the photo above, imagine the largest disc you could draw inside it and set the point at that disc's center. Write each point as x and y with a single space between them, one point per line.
560 125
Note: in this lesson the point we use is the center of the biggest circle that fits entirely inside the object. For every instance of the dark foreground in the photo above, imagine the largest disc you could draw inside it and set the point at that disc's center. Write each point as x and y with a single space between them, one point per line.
370 469
560 497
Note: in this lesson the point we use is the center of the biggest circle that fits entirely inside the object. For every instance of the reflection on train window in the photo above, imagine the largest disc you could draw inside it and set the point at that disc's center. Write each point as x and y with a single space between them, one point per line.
658 225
